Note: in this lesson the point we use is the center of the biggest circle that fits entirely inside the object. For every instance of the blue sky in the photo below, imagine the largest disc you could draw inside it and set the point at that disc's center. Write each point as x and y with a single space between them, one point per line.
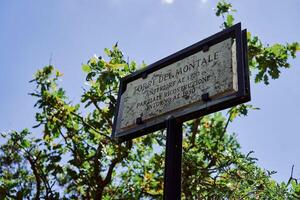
71 31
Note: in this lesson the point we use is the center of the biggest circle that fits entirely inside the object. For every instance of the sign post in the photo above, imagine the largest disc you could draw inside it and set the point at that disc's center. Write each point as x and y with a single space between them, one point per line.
172 178
203 78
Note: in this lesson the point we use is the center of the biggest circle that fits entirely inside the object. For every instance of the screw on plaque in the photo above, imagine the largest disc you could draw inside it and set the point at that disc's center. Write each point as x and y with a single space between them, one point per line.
144 75
205 48
139 120
205 97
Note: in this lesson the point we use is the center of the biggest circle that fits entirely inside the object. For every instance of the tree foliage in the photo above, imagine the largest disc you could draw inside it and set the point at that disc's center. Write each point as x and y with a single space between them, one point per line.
70 154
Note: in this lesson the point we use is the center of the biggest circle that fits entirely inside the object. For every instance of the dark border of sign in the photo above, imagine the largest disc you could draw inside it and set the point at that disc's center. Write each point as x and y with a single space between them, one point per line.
241 96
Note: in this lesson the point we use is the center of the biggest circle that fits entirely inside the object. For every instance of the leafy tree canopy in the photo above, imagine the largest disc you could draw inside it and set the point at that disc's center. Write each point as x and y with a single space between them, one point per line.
70 154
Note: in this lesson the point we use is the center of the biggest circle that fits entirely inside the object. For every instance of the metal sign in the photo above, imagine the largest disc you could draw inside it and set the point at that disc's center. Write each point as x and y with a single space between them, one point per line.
203 78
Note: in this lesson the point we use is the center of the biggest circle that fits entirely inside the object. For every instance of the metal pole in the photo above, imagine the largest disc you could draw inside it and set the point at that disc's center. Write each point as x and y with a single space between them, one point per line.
172 179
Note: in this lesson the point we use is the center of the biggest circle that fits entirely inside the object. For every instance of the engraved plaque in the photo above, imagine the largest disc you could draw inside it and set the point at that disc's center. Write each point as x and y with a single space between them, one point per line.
178 87
180 84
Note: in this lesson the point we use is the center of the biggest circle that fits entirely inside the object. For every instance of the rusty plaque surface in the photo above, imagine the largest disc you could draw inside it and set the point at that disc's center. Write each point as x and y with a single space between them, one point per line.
201 76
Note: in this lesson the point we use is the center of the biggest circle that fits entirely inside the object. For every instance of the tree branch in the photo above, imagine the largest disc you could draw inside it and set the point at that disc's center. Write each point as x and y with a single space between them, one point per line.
90 126
36 175
194 130
98 108
292 176
114 162
227 123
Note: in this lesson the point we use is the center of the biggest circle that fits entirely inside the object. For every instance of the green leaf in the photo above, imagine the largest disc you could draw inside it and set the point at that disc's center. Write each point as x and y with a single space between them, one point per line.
93 61
298 47
86 68
114 66
248 34
107 51
229 20
25 143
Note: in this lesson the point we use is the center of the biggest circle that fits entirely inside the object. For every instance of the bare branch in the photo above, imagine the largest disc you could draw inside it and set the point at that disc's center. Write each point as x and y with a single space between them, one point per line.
292 176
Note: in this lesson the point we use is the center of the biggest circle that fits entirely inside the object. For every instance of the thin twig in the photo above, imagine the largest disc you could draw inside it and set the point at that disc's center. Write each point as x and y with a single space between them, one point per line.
90 126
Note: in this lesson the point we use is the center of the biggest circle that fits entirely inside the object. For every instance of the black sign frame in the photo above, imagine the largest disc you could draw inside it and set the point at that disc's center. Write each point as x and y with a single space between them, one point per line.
241 96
